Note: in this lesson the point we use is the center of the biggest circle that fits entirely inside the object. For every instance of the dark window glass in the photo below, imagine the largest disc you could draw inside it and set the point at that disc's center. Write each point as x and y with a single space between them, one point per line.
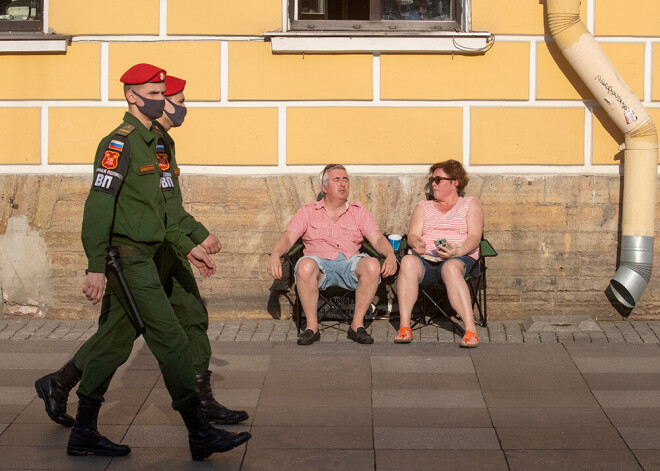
383 15
21 15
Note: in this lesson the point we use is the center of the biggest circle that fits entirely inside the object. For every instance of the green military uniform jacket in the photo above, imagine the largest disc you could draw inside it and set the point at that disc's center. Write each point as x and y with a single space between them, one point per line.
125 205
169 183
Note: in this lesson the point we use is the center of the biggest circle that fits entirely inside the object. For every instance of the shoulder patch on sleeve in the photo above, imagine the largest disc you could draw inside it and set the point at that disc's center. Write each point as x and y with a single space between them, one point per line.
111 164
110 160
125 129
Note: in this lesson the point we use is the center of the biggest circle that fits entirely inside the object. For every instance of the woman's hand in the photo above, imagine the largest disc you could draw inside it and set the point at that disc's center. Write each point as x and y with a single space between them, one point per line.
448 252
419 247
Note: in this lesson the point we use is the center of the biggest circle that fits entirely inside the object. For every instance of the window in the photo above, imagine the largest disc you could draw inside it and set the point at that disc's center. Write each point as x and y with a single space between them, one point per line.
21 15
378 15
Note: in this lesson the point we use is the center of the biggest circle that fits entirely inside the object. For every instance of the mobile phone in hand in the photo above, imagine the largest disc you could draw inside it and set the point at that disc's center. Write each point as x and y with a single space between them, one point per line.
441 243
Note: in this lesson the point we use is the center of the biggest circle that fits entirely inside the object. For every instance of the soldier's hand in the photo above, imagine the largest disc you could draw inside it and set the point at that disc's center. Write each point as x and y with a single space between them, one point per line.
202 261
94 286
211 244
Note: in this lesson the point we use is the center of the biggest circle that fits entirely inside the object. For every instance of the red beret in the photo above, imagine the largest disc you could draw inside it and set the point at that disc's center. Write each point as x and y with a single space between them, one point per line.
173 85
143 73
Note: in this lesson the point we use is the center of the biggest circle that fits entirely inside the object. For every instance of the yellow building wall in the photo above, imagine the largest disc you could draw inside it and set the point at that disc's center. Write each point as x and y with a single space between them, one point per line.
607 137
110 17
19 134
558 81
373 135
256 74
656 72
197 62
511 136
223 17
501 74
74 133
71 76
616 18
227 136
512 16
285 110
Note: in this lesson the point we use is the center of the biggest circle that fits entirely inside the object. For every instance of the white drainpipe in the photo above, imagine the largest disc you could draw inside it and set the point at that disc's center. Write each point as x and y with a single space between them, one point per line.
641 145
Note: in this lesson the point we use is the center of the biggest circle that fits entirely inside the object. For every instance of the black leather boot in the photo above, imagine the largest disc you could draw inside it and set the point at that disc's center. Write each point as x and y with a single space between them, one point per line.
86 439
54 389
216 413
203 439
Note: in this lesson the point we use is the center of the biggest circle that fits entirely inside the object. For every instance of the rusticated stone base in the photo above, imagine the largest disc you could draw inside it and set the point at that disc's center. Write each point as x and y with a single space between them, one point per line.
557 238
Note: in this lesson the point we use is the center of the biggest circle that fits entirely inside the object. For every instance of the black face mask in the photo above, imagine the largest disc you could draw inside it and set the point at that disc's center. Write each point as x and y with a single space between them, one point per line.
179 114
152 109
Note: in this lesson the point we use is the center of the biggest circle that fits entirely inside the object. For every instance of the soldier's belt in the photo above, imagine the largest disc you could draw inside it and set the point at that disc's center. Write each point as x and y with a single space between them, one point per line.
128 250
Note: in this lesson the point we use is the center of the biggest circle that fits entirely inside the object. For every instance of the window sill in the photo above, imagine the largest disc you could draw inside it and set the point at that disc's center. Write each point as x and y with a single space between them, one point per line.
33 42
369 42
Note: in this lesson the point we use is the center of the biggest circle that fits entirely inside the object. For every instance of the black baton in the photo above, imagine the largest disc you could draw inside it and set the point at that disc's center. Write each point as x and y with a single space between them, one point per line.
114 264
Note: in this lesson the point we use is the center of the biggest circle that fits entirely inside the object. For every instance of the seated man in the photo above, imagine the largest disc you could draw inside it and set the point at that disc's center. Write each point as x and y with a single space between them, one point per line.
332 231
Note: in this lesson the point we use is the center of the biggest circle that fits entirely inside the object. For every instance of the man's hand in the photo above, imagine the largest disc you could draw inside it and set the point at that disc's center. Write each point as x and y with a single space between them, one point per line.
211 244
202 261
389 266
275 267
94 286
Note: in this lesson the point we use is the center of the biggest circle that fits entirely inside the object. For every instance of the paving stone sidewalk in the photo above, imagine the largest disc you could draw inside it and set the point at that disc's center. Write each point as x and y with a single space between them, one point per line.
520 401
383 330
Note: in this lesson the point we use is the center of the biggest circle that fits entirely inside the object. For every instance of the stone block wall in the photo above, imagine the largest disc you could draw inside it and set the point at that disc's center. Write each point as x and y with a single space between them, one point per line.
557 238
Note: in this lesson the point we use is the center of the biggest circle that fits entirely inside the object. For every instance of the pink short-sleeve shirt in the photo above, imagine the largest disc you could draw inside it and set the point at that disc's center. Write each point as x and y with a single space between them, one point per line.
326 238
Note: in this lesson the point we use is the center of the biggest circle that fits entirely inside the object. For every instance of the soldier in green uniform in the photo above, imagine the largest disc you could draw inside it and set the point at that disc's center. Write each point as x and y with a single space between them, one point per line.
126 209
176 277
176 274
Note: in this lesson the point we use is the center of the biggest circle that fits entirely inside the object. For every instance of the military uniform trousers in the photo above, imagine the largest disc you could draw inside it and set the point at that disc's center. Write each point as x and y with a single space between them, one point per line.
113 341
179 282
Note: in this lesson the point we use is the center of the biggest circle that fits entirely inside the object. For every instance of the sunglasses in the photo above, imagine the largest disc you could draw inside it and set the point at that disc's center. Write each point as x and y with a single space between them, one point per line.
437 180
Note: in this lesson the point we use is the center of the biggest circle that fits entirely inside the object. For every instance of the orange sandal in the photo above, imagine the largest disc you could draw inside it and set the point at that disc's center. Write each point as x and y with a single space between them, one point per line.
470 340
404 335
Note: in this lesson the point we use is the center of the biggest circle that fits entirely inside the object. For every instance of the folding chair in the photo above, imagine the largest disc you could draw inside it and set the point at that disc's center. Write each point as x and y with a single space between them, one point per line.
476 281
335 303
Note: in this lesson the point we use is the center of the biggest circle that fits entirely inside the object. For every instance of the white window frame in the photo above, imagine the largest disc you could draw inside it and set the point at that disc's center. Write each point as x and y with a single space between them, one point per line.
354 40
32 40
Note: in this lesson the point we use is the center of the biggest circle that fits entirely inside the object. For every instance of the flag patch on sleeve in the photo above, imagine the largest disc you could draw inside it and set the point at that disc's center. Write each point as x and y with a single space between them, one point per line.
160 148
116 145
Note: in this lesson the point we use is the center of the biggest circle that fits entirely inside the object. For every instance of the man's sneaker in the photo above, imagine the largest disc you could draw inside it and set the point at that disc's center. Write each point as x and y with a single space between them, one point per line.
360 336
309 337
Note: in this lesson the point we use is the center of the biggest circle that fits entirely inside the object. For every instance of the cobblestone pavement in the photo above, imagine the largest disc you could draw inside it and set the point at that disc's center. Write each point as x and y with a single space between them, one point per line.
382 330
524 400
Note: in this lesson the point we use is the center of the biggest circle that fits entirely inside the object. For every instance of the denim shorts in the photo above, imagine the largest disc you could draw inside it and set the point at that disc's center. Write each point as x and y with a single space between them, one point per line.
339 272
431 270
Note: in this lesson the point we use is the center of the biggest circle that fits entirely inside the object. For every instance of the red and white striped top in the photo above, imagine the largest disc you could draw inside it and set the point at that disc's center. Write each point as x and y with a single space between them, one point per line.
451 225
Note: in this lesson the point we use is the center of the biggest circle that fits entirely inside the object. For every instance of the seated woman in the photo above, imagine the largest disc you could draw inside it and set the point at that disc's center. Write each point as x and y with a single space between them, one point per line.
460 222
